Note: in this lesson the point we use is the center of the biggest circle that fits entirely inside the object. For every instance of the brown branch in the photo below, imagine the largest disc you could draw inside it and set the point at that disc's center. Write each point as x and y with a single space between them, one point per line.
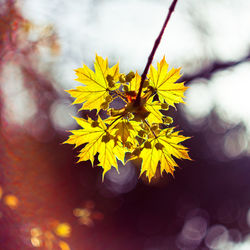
208 71
151 56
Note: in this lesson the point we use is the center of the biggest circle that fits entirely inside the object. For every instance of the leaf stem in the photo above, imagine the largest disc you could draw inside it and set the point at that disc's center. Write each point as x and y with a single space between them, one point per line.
150 129
120 95
151 56
119 117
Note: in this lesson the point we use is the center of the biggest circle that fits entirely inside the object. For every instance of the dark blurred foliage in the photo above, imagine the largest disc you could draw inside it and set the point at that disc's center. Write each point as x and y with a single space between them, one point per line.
48 202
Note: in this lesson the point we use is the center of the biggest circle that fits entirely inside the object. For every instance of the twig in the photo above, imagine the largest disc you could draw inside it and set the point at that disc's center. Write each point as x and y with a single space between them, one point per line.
151 56
208 71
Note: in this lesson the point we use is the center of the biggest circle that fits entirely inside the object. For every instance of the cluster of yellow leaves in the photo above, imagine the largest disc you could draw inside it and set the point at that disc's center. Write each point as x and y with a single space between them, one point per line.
139 129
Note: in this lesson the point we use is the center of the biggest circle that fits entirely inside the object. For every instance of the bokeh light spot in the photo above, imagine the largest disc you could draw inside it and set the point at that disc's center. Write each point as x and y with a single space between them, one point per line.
1 192
63 245
60 114
35 232
235 143
11 201
36 242
217 237
193 232
122 182
199 102
63 230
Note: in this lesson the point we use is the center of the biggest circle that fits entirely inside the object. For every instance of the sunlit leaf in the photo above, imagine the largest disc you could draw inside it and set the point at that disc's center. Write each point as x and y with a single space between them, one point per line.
96 86
135 83
97 138
162 149
155 115
164 83
126 131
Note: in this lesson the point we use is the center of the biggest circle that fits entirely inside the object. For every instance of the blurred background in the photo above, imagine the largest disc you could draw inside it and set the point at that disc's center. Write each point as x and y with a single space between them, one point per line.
47 201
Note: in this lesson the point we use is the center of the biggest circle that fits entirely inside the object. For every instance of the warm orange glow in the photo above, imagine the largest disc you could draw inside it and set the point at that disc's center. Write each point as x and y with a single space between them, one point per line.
11 201
1 193
35 232
63 230
84 216
36 242
63 245
80 212
86 221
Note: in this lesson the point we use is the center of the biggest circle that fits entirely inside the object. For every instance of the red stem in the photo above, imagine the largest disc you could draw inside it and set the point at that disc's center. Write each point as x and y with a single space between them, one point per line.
151 56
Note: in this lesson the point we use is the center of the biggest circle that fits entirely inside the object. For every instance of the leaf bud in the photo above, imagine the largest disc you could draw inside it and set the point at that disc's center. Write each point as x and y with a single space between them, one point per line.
165 106
141 133
159 146
111 84
108 98
122 78
155 127
168 119
94 124
130 76
109 78
106 138
104 105
125 87
147 144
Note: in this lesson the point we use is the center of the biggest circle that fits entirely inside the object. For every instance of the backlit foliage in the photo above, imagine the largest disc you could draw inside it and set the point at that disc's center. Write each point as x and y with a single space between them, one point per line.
140 129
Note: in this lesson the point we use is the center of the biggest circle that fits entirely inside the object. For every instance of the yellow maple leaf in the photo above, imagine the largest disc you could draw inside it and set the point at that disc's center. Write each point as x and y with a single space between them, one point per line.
97 86
155 116
97 138
126 131
135 83
164 83
161 149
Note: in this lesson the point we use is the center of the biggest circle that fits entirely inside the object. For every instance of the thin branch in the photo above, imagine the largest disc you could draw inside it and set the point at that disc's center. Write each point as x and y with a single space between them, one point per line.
208 71
151 56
